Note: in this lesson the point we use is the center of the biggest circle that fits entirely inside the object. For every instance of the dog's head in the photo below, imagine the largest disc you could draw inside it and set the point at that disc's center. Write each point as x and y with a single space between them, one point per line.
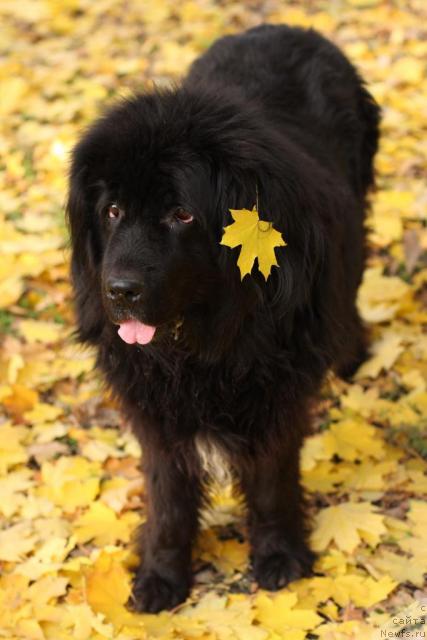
151 186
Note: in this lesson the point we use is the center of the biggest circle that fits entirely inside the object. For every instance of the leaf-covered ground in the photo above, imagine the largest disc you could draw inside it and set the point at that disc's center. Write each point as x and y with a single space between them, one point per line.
70 489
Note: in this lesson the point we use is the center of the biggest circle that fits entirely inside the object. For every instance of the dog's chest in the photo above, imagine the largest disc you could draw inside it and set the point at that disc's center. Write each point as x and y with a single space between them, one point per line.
213 460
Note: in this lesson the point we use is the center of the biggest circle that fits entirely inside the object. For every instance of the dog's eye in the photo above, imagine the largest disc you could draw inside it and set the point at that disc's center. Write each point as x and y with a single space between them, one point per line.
114 212
181 215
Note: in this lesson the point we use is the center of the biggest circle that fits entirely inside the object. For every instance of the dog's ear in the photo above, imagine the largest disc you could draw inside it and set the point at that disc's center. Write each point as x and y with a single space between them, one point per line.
284 198
85 254
312 213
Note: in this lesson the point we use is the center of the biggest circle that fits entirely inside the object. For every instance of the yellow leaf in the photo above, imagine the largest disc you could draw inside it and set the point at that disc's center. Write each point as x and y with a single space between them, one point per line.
362 591
16 542
313 450
418 516
258 239
81 621
115 492
351 439
279 613
174 58
12 93
334 563
363 3
101 524
99 451
387 226
108 589
409 70
369 476
25 243
29 629
48 587
11 290
34 223
385 352
47 558
11 450
344 523
21 399
227 555
400 568
380 297
324 476
42 412
229 618
70 482
40 331
359 400
11 491
350 629
417 547
414 380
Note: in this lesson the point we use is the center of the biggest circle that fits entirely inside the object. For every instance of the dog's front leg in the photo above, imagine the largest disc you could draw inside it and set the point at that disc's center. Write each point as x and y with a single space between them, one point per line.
173 492
270 482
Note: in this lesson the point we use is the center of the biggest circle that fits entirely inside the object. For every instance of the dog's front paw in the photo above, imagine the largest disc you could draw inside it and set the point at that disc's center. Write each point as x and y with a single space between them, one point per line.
152 593
275 571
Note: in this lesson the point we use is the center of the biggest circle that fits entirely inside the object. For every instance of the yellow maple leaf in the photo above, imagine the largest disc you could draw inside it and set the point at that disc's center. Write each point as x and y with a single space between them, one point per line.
279 613
225 617
351 439
258 239
42 412
385 352
12 451
347 630
80 622
359 400
346 523
400 568
324 477
20 399
108 589
47 558
40 331
11 491
16 542
369 476
70 482
409 70
101 524
417 547
227 555
11 290
418 516
380 297
360 590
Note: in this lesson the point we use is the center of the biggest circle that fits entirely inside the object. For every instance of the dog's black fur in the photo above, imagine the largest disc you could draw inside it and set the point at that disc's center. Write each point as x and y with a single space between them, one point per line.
276 110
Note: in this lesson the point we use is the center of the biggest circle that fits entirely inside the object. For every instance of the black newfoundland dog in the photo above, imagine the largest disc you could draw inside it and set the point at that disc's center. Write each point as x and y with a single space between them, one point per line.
197 356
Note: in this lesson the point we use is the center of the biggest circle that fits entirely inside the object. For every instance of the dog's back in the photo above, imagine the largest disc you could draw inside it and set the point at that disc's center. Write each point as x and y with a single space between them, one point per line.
305 84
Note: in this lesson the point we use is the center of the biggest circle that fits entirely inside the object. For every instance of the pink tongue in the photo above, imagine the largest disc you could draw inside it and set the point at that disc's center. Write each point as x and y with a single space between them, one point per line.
133 331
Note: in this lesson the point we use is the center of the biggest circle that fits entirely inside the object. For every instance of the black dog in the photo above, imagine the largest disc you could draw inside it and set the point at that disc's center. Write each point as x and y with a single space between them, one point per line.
202 357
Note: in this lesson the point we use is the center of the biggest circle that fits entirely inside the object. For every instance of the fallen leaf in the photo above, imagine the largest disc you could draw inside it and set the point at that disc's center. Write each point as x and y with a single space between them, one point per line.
345 524
385 352
101 524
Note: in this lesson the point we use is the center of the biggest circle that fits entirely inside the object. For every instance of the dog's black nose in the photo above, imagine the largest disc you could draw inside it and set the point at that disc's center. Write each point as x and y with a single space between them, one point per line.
125 290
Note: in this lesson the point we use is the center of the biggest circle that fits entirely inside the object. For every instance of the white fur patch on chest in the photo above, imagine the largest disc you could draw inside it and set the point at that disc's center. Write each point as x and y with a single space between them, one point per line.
214 461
